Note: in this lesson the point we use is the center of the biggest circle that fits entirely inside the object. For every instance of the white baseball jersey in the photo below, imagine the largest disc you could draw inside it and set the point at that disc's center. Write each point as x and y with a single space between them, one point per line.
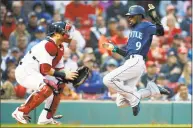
29 74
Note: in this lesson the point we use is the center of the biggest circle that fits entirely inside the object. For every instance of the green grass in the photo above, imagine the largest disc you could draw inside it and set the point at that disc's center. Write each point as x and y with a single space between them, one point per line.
76 125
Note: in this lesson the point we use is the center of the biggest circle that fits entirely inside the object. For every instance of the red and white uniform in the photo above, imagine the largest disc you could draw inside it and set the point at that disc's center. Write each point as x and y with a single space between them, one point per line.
40 59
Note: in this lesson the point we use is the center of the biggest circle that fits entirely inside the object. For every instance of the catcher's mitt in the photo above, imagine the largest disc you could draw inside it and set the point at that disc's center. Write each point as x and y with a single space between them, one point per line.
83 73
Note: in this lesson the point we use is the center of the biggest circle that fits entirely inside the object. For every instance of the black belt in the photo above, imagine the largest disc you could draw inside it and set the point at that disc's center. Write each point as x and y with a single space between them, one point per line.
132 56
129 57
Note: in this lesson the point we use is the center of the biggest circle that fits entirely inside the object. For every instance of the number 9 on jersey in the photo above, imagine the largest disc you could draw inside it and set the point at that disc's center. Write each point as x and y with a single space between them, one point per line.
138 45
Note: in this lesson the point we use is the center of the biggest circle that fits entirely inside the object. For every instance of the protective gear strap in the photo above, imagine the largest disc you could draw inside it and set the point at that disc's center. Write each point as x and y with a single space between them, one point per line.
51 48
55 102
36 99
59 74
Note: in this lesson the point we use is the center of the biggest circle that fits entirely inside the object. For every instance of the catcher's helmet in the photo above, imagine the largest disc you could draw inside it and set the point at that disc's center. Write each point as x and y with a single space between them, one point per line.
59 27
136 10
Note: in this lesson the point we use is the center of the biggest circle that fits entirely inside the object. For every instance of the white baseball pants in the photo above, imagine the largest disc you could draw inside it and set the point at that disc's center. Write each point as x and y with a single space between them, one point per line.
124 80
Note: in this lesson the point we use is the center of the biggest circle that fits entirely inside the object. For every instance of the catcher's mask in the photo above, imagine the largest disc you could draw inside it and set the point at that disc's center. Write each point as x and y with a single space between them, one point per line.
62 28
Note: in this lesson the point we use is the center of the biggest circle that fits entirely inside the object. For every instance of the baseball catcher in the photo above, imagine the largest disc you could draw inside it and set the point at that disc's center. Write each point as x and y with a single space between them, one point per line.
40 70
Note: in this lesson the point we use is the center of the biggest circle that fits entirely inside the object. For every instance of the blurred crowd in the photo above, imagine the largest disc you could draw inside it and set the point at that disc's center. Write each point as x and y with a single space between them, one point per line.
25 23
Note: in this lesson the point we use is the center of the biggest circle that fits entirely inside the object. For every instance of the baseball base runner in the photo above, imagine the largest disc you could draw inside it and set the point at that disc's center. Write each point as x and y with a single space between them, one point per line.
123 80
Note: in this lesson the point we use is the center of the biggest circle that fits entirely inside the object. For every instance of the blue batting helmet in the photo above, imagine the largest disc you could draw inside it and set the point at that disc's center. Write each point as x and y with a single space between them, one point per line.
136 10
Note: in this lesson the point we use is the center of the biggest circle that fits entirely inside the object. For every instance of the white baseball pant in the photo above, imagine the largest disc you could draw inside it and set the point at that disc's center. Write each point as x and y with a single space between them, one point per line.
124 79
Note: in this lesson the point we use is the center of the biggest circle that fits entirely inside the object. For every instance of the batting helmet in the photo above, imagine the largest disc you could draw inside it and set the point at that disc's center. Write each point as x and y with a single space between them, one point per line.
136 10
59 27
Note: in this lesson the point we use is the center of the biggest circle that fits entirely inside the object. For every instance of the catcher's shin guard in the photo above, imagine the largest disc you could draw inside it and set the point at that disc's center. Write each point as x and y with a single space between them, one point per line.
55 102
36 99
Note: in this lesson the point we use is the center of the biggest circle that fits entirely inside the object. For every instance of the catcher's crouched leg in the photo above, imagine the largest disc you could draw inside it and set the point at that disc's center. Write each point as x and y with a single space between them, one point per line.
55 102
51 105
38 97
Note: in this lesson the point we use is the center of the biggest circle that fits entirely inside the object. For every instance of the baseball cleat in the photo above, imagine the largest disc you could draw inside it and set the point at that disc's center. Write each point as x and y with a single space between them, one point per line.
57 116
136 109
19 116
49 121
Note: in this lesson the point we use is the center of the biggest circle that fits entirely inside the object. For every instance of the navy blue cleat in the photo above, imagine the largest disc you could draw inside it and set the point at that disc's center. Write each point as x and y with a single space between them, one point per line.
163 90
136 109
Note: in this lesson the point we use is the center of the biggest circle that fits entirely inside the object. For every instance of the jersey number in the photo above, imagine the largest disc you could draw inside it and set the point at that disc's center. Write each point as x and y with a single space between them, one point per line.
138 45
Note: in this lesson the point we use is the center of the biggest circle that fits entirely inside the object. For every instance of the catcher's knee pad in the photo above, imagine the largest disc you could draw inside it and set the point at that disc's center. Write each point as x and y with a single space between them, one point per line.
55 102
36 99
51 83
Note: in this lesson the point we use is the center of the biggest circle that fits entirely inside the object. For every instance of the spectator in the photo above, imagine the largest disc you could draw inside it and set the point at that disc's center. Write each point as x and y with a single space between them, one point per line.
78 14
111 31
182 56
96 31
68 62
123 22
156 53
20 31
182 94
171 69
96 8
112 27
60 6
39 10
150 75
8 25
8 85
81 42
94 84
177 42
44 23
69 94
187 22
89 51
161 81
109 66
15 54
75 53
120 39
3 12
170 10
5 53
163 7
22 44
57 17
49 7
10 63
17 10
32 24
40 34
186 76
170 29
116 10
